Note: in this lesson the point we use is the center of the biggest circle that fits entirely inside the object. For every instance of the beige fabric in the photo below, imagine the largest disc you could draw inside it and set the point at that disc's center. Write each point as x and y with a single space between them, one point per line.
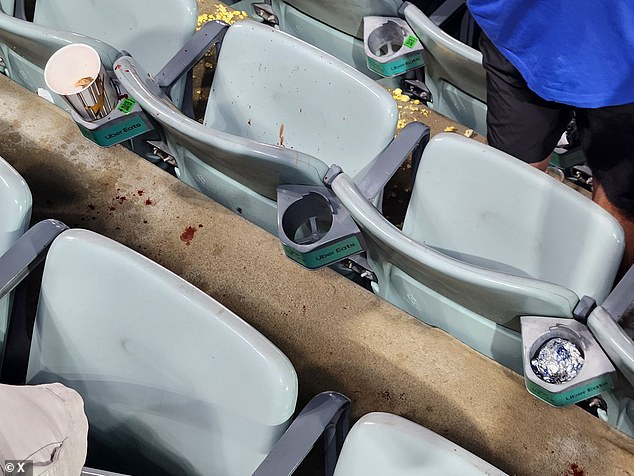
45 424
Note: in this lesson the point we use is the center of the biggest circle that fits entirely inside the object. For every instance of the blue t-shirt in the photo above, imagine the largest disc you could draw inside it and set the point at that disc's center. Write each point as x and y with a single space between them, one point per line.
577 52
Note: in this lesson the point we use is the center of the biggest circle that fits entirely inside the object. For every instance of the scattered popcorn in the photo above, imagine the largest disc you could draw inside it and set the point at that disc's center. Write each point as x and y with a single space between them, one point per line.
222 13
450 129
468 133
408 108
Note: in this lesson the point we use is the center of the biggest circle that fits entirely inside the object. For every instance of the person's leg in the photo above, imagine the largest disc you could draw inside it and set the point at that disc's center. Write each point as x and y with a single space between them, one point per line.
519 122
607 139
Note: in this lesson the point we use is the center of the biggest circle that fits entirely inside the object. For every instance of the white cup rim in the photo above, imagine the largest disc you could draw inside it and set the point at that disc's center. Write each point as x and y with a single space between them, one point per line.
92 64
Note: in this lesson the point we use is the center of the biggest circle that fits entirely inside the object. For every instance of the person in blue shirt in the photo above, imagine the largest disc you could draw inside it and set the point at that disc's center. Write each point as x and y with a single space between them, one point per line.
548 59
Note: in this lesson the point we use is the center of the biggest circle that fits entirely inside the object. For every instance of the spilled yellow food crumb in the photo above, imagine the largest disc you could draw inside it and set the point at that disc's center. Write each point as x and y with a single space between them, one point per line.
222 13
468 133
450 129
408 108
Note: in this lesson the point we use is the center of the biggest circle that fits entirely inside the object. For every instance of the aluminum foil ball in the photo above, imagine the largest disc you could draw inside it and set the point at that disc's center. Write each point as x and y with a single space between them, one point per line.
558 360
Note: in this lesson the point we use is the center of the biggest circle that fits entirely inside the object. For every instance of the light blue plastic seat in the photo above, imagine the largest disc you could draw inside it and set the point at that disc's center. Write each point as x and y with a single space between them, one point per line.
7 6
453 72
15 215
486 239
379 444
384 444
172 381
335 27
280 111
152 31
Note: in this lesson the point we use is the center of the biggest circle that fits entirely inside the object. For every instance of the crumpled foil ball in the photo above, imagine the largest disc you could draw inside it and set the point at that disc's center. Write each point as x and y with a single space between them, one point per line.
558 360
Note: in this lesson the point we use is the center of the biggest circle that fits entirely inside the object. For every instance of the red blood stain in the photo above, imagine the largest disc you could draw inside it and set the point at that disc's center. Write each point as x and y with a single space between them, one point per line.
120 198
140 192
575 470
148 202
91 207
188 234
117 67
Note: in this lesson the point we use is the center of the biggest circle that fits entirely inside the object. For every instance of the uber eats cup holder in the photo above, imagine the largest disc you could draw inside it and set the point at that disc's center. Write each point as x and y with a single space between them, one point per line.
598 333
104 113
591 375
391 47
314 227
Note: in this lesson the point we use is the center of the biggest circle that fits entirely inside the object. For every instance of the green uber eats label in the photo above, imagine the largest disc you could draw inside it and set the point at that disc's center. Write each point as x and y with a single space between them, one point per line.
324 256
410 41
574 395
120 131
126 105
398 66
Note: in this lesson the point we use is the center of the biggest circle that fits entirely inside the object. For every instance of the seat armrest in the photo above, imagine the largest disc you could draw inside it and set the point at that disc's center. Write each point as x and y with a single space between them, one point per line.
621 300
19 10
411 140
446 11
604 320
326 414
26 253
210 33
614 341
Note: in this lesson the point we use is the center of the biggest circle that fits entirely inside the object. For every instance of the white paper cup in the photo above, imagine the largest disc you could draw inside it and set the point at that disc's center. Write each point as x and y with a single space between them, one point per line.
75 73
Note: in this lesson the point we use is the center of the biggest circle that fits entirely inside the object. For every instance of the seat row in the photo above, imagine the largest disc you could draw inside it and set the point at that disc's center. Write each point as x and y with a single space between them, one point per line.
469 259
165 370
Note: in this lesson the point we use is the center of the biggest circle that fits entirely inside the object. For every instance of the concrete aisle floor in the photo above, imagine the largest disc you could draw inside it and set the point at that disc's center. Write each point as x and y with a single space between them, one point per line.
337 335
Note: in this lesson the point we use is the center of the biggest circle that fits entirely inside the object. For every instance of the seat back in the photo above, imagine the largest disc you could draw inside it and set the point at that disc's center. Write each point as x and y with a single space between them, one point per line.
330 113
7 6
151 30
346 17
453 72
162 368
382 444
15 203
282 91
486 208
334 27
239 173
26 48
476 293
